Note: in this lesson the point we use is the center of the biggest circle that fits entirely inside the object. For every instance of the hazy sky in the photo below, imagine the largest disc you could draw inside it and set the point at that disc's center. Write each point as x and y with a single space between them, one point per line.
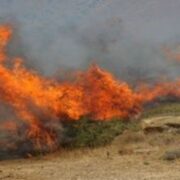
71 32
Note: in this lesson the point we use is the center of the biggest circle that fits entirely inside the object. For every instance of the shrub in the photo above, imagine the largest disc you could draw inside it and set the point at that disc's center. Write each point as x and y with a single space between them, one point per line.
90 133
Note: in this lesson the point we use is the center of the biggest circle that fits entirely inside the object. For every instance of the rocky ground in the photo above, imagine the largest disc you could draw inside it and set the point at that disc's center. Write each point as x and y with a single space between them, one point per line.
134 155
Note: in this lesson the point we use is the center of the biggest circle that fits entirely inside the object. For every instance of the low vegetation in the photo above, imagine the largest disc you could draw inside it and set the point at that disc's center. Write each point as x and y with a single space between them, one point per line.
159 109
90 133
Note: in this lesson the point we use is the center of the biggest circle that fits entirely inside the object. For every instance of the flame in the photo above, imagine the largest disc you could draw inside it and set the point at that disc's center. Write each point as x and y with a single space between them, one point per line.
5 34
149 94
38 101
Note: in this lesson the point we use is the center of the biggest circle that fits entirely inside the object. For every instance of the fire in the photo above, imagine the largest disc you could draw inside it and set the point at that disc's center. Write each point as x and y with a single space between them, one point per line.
105 97
149 94
39 102
5 33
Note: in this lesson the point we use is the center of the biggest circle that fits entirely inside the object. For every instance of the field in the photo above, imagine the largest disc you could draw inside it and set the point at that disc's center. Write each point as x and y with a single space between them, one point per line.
130 155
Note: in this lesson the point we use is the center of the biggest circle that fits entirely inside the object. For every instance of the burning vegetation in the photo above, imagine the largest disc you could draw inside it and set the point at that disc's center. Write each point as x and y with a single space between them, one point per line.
39 105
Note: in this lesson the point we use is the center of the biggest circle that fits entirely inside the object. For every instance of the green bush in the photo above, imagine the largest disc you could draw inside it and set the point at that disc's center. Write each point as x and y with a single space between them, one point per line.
88 133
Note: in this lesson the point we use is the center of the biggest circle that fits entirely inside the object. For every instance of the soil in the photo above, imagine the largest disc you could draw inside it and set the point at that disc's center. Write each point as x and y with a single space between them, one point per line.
132 156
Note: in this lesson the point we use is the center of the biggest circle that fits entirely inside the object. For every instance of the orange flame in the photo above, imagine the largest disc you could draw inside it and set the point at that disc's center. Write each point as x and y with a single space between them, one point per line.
94 93
5 33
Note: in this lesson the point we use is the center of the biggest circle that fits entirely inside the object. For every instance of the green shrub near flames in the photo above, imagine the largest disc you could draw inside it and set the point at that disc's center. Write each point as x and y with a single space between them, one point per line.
89 133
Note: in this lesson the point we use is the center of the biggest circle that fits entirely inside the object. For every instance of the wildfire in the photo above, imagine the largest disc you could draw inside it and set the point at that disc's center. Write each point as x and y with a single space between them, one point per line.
38 101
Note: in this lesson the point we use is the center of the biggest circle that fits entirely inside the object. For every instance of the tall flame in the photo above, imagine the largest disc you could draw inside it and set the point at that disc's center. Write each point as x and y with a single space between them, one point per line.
39 101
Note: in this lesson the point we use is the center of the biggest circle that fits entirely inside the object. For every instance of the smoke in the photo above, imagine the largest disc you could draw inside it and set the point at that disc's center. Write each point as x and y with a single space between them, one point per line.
57 37
121 36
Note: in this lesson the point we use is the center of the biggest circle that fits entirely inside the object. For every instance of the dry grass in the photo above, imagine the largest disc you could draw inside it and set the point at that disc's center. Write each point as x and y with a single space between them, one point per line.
133 155
162 109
